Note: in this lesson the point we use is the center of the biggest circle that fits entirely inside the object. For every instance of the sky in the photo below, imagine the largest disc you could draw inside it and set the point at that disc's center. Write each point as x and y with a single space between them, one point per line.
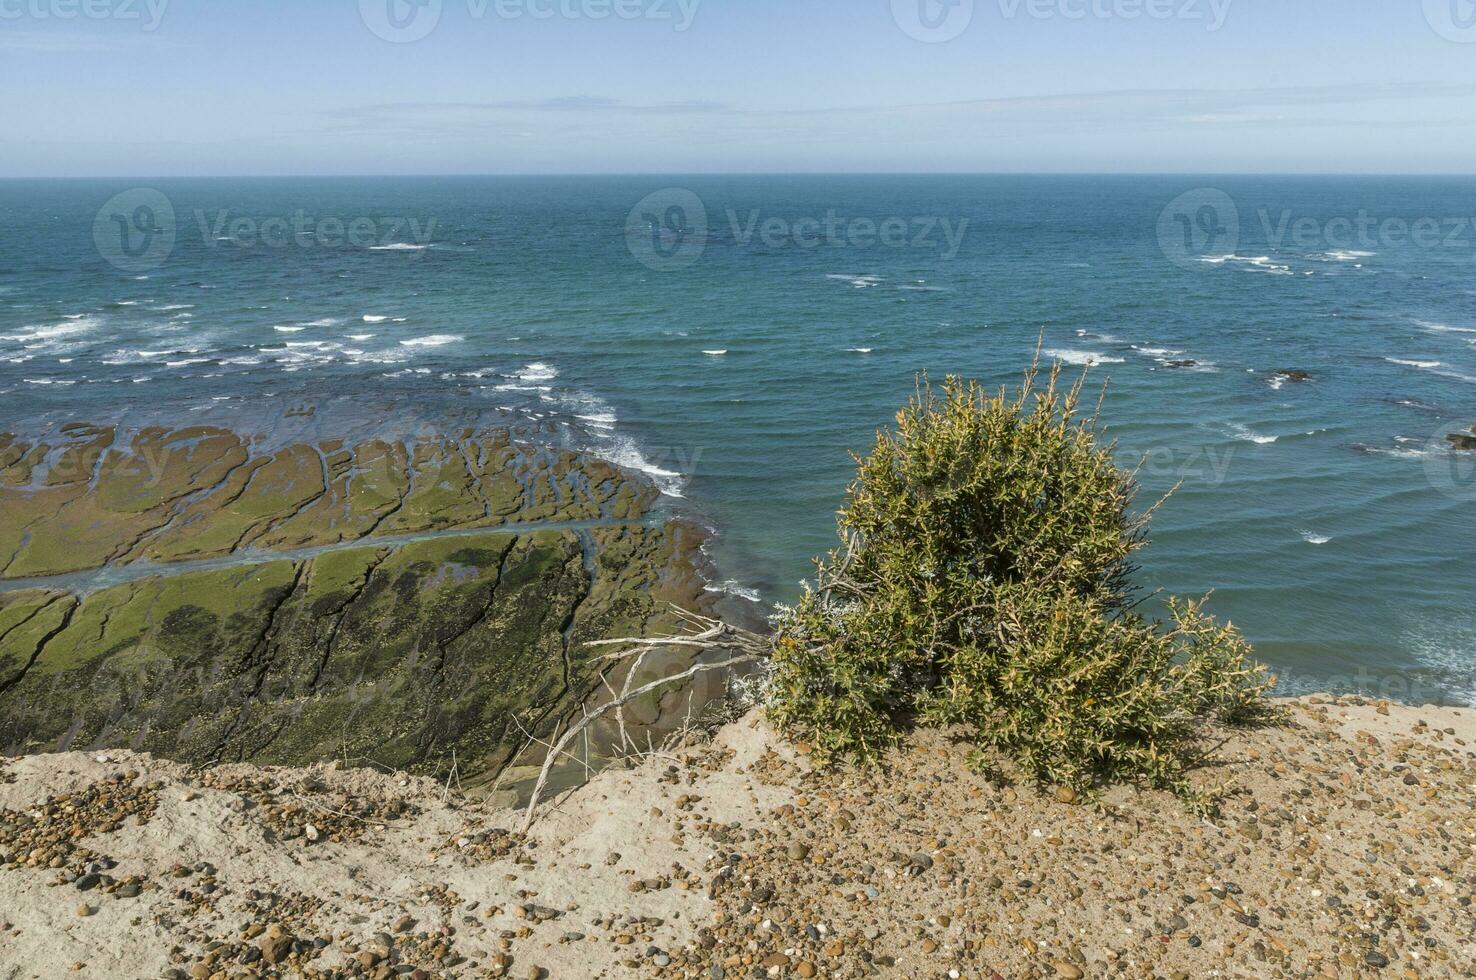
324 87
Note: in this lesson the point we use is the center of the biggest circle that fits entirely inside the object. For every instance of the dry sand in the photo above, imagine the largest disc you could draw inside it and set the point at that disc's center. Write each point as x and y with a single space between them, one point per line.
1346 847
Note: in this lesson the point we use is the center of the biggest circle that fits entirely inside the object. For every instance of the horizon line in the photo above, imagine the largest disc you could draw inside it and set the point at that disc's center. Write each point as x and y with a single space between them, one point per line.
749 173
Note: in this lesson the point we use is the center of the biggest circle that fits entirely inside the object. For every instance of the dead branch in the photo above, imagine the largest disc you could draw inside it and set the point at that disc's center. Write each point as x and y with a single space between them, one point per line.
715 635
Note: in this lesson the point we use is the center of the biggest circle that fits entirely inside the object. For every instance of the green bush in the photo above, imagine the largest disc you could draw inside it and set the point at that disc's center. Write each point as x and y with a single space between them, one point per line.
985 580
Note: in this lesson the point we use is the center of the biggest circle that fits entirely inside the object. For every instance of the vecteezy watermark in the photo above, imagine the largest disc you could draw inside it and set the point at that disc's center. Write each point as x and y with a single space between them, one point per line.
1197 225
1450 461
835 230
149 12
667 230
138 230
1203 466
1454 20
1211 12
933 21
301 230
1366 230
937 21
135 230
671 230
406 21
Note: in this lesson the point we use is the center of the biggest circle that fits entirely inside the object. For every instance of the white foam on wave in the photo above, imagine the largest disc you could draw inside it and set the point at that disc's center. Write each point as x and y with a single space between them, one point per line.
734 587
1341 255
536 372
40 335
1252 263
47 381
1443 327
859 350
1247 434
715 353
374 318
1081 358
1313 538
289 329
1413 364
434 340
325 322
625 453
398 247
857 282
186 362
361 336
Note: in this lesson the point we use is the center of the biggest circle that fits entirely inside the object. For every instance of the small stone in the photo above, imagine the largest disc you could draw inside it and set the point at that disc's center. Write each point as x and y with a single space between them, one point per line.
1065 794
84 910
275 944
1068 970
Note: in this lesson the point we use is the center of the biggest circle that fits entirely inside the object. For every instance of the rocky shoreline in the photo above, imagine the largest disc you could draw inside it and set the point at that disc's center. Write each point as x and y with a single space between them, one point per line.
422 603
1345 848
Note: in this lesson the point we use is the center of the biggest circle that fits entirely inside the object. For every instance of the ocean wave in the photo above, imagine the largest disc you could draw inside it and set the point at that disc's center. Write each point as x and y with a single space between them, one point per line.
625 453
48 381
289 329
1081 358
715 353
187 362
859 350
1246 434
1341 255
374 318
1258 263
327 321
734 587
41 334
361 337
125 356
1413 364
434 340
858 282
1443 327
1405 447
1313 538
536 372
398 247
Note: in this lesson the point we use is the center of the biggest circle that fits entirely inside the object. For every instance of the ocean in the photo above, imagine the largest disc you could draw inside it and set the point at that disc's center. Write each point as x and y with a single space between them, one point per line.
737 337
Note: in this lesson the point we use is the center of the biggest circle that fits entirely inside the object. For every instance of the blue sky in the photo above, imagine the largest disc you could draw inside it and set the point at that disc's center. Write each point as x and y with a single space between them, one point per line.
225 87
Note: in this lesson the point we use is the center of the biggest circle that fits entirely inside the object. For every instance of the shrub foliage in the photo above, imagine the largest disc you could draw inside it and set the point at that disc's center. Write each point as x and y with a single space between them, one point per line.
985 580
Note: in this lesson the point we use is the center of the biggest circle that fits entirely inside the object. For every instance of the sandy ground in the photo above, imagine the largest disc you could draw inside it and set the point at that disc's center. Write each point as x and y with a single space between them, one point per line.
1346 847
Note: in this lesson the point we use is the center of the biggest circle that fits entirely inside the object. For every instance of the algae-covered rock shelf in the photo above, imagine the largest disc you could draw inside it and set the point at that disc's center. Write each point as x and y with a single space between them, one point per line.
415 603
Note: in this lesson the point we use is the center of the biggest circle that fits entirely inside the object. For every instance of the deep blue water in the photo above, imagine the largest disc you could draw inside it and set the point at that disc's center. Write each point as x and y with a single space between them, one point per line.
1326 517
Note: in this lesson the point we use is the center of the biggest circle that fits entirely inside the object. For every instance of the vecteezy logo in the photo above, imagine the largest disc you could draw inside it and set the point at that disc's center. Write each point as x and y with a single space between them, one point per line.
400 21
933 21
1454 20
135 230
667 230
1197 225
1450 462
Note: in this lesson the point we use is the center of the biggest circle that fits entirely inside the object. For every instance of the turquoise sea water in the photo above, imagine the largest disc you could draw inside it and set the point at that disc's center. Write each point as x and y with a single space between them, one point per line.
740 367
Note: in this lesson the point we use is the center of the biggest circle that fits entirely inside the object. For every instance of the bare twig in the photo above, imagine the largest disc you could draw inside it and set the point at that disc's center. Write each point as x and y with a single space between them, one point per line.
755 648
